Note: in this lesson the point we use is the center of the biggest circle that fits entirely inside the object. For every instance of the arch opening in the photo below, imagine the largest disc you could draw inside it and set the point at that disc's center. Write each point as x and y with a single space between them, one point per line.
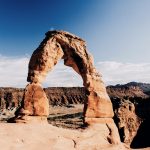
66 95
62 76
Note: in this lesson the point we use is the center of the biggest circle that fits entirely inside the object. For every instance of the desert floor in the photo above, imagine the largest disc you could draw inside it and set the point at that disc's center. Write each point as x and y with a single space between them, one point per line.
65 131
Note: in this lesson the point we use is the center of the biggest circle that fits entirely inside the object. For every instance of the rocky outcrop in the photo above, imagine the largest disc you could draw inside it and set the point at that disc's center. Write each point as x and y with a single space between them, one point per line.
127 120
35 100
63 45
126 92
58 45
72 49
131 104
10 98
65 96
145 87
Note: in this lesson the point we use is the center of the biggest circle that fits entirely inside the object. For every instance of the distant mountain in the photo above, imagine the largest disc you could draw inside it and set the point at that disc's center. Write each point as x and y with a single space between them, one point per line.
144 86
131 89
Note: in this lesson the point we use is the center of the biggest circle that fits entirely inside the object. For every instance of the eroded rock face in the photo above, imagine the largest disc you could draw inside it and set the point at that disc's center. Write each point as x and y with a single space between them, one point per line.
128 122
35 100
35 104
72 49
10 98
63 45
131 103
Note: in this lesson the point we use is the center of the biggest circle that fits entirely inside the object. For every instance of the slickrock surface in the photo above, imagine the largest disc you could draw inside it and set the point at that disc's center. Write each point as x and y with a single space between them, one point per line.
35 136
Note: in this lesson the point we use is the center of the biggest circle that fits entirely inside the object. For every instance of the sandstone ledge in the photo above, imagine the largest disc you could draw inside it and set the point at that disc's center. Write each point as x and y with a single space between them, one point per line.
47 137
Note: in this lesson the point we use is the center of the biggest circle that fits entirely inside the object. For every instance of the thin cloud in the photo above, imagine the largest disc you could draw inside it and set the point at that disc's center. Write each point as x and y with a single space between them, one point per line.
120 73
13 73
62 76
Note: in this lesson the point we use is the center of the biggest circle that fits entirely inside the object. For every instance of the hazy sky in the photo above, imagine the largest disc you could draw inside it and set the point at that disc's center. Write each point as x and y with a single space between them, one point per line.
116 31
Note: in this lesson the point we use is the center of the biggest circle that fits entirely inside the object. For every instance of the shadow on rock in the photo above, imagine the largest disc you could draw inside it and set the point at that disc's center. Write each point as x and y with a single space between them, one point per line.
142 140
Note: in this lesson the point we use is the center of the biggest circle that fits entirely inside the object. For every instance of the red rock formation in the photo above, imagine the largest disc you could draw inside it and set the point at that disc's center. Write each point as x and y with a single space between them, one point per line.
63 45
35 100
35 103
129 122
72 49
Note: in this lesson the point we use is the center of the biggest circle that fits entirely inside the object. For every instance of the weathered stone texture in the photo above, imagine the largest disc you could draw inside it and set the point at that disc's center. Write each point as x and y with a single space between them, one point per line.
72 49
35 100
63 45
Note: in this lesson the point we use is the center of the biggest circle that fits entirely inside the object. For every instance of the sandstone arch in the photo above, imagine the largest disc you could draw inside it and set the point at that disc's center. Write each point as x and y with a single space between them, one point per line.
72 49
63 45
98 110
